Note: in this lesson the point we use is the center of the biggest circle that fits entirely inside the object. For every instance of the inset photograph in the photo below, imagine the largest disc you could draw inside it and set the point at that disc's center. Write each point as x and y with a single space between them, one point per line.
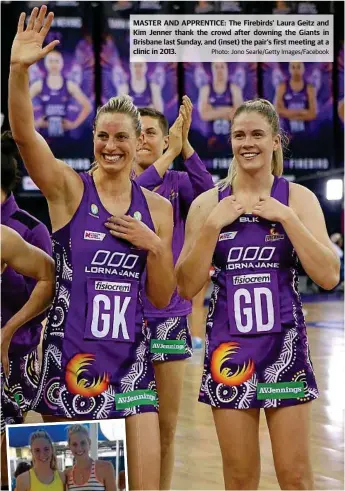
64 456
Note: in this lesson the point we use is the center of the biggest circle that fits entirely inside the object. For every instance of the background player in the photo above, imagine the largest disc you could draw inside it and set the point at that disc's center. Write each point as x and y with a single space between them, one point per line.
295 100
143 92
169 327
118 379
257 354
54 92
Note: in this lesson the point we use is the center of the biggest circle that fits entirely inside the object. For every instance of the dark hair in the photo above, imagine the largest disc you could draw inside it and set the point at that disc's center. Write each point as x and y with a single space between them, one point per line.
21 468
153 113
9 168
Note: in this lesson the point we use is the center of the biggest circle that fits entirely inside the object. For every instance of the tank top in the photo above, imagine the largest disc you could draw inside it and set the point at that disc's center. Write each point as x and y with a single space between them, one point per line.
141 99
93 484
54 104
255 279
36 485
295 100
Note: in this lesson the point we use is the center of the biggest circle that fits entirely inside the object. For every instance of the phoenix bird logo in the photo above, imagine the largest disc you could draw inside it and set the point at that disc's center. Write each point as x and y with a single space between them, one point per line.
80 381
233 374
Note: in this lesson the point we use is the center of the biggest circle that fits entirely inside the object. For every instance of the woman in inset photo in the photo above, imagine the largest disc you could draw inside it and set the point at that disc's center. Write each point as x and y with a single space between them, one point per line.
87 474
43 476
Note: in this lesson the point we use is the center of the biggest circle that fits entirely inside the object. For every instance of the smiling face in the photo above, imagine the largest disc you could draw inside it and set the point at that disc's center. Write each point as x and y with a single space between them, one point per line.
154 141
79 444
115 142
253 142
42 452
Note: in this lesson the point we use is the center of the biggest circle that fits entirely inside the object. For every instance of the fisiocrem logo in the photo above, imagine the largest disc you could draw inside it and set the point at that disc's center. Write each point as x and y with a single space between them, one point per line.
112 286
250 279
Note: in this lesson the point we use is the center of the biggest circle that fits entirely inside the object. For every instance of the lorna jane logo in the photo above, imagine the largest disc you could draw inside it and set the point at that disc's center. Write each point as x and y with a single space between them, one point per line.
135 398
89 235
281 390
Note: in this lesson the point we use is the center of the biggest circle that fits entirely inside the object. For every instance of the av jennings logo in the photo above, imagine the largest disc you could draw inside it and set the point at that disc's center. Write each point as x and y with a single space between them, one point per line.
140 397
167 346
280 390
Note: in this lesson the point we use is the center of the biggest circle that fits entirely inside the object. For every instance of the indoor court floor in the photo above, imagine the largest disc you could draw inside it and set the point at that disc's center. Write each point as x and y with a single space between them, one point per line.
198 461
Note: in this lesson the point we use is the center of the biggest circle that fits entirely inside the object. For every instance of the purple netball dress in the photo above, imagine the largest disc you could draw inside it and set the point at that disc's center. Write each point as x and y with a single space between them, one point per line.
141 99
95 348
15 292
168 328
219 128
257 352
295 100
54 107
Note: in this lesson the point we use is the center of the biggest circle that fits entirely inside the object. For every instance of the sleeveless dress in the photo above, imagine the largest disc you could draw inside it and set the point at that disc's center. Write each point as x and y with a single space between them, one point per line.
92 484
257 352
54 105
95 347
36 485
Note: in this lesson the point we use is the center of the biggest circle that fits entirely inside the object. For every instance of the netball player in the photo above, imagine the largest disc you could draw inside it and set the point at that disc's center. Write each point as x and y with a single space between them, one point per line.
169 330
220 99
217 103
253 227
143 92
295 100
95 353
16 288
54 92
27 261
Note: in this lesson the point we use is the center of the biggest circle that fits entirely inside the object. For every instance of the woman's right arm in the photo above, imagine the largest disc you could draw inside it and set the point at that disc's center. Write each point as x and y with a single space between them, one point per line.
193 265
23 482
52 176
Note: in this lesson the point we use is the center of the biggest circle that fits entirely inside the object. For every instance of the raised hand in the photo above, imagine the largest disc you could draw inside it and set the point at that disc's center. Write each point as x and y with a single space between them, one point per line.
27 45
186 112
226 212
175 136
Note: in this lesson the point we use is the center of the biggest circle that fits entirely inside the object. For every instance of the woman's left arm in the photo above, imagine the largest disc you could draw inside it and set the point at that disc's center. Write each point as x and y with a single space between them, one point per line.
107 472
305 226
